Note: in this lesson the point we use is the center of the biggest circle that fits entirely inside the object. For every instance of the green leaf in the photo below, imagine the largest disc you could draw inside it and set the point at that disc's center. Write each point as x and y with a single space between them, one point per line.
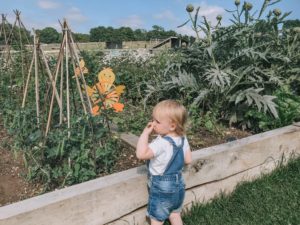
35 136
184 23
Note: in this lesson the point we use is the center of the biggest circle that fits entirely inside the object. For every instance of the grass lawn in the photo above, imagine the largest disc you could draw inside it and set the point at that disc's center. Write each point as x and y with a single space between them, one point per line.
273 199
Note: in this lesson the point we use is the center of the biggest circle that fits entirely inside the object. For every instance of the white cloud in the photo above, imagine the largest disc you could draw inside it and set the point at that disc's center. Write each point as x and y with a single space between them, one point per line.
209 11
39 25
132 21
166 15
74 14
186 30
47 4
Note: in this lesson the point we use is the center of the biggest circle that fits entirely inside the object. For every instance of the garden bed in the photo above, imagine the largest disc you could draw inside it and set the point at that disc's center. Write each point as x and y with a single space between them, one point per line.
115 199
15 187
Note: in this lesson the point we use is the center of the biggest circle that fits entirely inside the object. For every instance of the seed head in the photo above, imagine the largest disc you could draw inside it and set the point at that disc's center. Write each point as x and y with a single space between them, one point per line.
247 6
219 17
189 8
237 2
277 12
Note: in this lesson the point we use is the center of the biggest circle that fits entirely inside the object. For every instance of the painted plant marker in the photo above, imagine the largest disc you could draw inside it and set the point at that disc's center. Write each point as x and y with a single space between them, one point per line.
106 92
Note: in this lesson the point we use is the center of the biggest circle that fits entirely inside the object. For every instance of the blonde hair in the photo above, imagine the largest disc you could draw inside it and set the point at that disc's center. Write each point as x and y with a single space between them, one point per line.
175 111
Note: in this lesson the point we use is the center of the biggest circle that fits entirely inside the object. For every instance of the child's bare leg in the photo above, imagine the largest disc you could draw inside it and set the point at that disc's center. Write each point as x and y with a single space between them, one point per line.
175 219
155 222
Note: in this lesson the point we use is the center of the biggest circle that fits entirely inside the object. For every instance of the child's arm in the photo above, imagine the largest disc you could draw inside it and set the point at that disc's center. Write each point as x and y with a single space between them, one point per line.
188 156
142 149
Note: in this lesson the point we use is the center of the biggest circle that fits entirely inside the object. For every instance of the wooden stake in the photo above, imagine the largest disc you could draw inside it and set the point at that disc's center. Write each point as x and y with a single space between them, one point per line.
77 81
53 82
37 97
81 74
21 48
27 82
61 87
67 84
60 62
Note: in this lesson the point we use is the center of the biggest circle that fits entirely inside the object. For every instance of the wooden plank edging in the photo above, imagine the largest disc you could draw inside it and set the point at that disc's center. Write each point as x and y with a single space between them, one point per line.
112 197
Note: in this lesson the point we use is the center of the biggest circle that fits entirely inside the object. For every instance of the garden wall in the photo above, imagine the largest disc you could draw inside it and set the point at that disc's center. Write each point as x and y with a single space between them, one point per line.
93 46
121 198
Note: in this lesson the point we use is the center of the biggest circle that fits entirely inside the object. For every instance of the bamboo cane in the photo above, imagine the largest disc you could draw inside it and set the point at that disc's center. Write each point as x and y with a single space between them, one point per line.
60 62
37 97
27 82
76 78
3 28
53 82
22 54
7 46
67 85
61 77
81 74
61 88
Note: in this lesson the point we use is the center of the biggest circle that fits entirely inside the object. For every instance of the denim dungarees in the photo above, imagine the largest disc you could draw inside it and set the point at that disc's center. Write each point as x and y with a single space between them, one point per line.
166 192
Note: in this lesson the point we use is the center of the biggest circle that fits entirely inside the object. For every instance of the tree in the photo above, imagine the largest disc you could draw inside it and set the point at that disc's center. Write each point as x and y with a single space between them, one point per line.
15 36
140 34
96 33
126 34
159 32
48 35
290 24
111 34
81 37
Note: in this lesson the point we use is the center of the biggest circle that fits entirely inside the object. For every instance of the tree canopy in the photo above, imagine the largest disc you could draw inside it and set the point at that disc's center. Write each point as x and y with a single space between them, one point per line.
102 34
48 35
291 23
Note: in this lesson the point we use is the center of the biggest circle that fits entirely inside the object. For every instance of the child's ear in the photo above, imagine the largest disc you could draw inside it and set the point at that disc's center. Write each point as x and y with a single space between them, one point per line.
173 127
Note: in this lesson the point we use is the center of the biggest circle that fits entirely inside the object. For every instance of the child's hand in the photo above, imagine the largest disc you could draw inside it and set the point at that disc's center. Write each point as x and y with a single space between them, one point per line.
149 128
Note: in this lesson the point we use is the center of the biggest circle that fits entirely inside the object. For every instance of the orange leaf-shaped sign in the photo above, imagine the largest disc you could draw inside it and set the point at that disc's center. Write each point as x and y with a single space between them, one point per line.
118 107
82 67
95 110
106 92
120 89
106 76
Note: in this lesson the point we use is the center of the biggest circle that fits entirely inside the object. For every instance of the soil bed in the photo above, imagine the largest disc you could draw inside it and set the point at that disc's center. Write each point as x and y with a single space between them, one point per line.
14 186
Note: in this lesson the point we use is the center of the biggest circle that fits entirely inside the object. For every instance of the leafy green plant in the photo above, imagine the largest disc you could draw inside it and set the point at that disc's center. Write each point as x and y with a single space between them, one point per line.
288 112
65 156
133 119
232 69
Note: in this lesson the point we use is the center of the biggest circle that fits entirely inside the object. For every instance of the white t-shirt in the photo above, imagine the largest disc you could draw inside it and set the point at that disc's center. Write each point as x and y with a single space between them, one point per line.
163 151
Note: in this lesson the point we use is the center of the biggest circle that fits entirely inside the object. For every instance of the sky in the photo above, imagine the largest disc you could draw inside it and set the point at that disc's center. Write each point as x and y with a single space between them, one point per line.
82 15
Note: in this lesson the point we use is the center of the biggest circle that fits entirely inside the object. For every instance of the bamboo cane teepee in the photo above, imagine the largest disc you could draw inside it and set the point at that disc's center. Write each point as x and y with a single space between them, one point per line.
68 51
16 40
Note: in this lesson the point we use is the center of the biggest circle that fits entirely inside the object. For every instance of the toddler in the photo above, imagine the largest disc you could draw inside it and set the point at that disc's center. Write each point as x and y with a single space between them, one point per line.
166 156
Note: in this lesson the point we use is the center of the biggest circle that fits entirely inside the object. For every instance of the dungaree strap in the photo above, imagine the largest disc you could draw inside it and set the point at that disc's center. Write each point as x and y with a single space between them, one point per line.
176 149
169 139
